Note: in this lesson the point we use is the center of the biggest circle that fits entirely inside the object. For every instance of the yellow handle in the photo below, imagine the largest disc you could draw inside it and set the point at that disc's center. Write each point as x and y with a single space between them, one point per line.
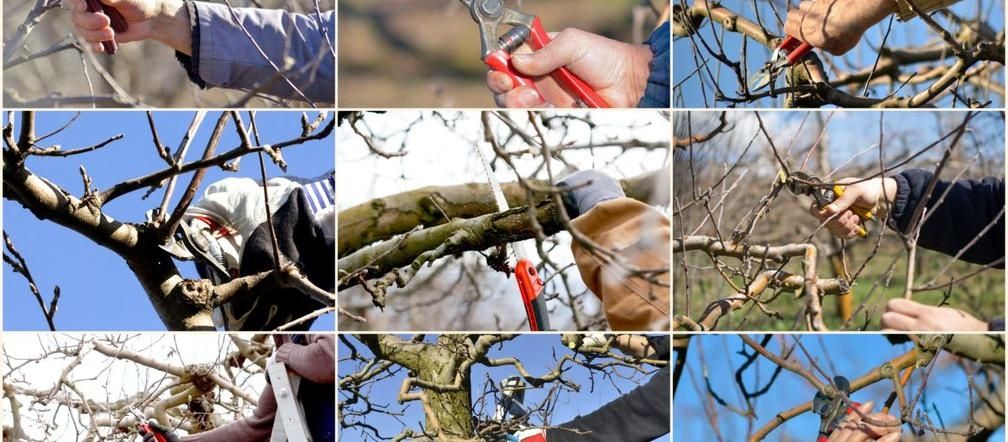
861 212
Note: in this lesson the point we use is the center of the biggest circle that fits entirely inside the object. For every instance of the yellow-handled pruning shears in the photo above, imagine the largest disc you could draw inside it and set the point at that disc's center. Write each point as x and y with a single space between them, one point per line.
801 183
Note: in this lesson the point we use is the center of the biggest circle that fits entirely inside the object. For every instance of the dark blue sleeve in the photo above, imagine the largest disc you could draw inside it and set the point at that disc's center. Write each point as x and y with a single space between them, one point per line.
970 207
658 93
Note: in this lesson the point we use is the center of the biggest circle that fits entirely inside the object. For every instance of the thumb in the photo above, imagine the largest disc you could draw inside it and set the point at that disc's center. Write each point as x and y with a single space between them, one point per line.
842 203
564 50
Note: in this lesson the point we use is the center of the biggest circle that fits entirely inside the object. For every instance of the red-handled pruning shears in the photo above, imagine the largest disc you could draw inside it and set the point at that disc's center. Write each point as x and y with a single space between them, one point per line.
525 28
145 428
790 51
831 409
118 22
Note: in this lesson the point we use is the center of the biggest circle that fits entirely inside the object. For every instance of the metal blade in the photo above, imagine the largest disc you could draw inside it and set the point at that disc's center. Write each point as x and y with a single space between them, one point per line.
520 250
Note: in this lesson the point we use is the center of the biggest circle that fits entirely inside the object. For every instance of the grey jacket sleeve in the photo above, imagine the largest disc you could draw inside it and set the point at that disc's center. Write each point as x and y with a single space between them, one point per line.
224 55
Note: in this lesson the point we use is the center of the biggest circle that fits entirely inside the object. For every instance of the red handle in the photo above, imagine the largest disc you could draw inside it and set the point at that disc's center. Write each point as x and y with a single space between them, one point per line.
530 285
796 49
565 77
146 428
116 19
500 61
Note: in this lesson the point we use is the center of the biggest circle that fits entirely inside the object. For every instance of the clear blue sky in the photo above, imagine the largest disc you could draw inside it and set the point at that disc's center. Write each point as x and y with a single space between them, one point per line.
913 33
849 355
98 290
537 352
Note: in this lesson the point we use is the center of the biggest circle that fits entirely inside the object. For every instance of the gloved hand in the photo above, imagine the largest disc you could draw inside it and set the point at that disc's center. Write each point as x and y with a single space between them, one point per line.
158 429
530 435
587 188
590 340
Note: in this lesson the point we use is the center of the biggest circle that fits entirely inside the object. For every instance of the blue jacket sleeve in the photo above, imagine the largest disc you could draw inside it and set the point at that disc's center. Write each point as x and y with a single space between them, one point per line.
971 207
657 94
224 55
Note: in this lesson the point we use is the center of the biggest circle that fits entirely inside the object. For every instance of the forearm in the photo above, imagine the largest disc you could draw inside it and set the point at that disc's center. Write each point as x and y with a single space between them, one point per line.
271 51
641 414
172 26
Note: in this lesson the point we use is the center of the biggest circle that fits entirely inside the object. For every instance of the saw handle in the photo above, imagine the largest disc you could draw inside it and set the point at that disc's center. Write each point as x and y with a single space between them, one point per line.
530 285
118 22
865 214
500 61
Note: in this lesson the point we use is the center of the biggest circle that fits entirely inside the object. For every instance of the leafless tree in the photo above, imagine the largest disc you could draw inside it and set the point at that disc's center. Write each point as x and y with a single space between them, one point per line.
960 61
747 253
438 379
182 304
91 388
763 361
387 242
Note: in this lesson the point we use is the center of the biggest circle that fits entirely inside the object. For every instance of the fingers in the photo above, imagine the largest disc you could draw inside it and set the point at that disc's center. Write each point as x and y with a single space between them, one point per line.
906 307
893 321
520 97
499 82
567 47
93 27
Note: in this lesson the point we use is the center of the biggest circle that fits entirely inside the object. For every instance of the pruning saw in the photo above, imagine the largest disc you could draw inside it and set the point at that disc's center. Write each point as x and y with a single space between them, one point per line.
530 285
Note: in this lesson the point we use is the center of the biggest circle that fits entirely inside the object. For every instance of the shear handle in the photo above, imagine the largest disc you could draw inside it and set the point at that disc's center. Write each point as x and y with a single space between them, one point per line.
500 61
795 48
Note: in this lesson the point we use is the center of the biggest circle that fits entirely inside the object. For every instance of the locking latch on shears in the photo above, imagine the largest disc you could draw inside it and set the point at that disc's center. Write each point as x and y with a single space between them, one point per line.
790 51
490 15
801 183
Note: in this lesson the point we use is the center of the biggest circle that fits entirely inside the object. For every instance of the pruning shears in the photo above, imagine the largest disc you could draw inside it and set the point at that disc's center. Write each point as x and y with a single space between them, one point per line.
530 285
801 183
788 53
832 410
118 22
145 428
490 15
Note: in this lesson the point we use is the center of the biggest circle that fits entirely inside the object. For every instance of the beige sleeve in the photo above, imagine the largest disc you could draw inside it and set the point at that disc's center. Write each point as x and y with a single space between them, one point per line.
906 13
640 236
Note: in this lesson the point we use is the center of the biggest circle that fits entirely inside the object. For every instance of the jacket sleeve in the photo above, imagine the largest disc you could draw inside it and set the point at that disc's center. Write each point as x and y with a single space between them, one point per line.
315 362
255 428
224 56
640 235
970 208
657 94
640 415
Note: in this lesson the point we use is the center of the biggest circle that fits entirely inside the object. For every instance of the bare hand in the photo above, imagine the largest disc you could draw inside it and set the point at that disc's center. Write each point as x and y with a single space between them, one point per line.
836 25
907 315
166 21
837 216
617 71
852 429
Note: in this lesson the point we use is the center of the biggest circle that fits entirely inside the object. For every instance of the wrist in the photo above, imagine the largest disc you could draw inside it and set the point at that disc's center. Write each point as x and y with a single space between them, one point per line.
172 27
640 70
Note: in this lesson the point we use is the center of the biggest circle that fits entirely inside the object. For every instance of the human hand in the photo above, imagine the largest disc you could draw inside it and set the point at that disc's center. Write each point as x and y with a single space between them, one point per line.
853 429
165 432
166 21
837 216
907 315
835 25
617 71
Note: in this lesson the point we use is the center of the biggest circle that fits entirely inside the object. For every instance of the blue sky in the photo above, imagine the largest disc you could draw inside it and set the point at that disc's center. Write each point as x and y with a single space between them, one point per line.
98 290
849 355
909 34
537 352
